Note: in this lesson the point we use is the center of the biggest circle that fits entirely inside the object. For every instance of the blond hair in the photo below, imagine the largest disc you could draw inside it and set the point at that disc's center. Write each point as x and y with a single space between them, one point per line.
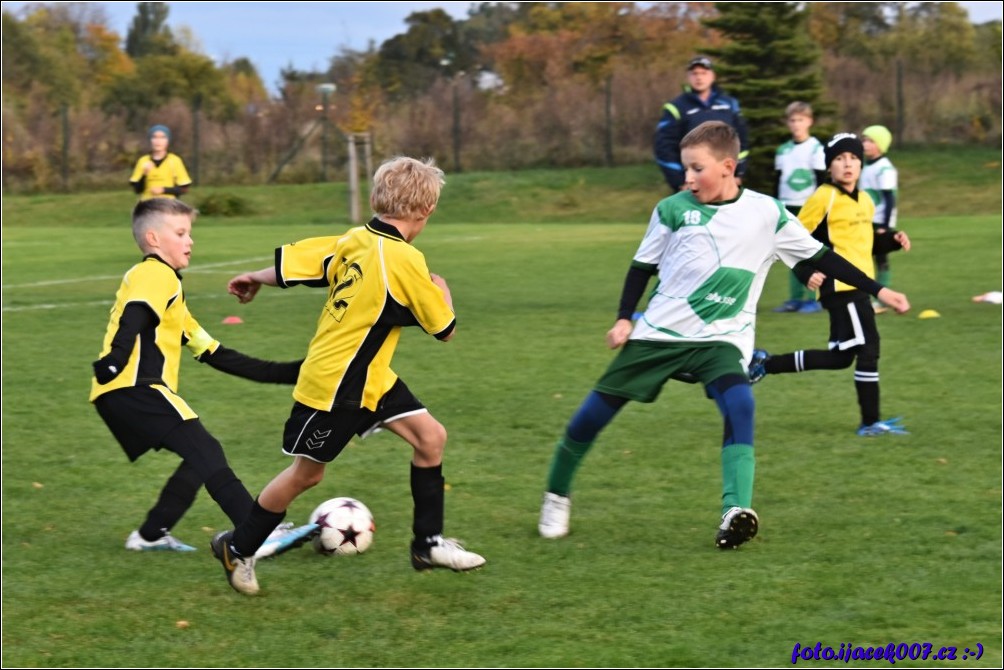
719 137
798 107
149 214
406 188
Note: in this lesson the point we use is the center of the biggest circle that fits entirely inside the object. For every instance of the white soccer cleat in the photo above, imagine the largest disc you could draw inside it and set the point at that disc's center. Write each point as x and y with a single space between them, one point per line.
554 514
286 536
239 570
135 542
446 553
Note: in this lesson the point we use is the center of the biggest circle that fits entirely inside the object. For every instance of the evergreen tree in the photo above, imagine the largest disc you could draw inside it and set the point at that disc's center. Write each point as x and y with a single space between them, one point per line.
767 61
149 34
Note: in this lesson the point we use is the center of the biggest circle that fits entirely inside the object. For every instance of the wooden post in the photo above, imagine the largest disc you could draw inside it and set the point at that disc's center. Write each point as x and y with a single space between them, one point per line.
353 180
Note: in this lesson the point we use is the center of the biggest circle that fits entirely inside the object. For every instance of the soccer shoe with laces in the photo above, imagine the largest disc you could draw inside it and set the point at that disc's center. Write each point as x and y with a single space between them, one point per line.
810 307
554 514
445 553
239 570
757 369
286 537
739 525
135 542
887 427
788 306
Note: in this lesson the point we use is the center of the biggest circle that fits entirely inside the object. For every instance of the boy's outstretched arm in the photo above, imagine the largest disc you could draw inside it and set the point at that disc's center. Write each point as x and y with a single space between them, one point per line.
834 265
206 349
245 286
241 365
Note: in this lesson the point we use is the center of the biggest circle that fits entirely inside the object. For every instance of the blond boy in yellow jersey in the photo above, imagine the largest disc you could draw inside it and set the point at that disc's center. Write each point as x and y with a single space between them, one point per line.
376 283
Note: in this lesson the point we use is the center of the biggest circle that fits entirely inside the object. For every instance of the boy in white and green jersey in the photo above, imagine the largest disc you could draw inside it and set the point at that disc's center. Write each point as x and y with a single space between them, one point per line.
710 246
880 180
798 170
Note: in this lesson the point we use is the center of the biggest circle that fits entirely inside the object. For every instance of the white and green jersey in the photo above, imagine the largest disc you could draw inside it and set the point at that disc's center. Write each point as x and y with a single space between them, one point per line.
712 261
878 176
798 162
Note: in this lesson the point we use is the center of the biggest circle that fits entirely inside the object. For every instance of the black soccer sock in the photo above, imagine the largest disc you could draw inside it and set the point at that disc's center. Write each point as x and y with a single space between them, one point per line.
255 529
175 498
810 359
866 382
427 492
204 454
229 493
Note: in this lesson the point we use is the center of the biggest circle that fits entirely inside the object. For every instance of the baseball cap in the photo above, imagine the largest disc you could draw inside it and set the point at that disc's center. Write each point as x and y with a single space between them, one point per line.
699 61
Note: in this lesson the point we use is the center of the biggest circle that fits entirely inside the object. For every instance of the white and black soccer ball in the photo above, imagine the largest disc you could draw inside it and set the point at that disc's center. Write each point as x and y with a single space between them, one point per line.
347 527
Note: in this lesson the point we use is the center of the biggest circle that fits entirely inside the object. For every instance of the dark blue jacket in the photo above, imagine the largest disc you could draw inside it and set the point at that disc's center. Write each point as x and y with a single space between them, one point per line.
684 113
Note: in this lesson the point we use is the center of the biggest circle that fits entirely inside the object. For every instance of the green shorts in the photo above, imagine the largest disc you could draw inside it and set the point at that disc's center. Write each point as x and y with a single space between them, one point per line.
642 368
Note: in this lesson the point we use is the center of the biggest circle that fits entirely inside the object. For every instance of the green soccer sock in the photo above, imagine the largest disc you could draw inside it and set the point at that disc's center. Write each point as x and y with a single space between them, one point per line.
797 291
738 464
567 455
883 276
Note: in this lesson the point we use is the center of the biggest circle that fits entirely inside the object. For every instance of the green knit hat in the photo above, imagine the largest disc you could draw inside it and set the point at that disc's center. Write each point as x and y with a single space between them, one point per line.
880 135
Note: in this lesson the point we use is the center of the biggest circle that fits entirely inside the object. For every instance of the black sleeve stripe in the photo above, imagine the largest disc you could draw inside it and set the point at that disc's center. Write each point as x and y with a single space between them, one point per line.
445 332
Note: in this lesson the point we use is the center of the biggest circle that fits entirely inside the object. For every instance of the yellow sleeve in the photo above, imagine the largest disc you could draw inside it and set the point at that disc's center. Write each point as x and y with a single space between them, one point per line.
305 262
196 338
181 177
816 207
411 283
137 172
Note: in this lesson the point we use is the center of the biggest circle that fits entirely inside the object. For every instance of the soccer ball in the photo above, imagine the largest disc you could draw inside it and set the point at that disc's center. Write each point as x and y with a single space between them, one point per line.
346 527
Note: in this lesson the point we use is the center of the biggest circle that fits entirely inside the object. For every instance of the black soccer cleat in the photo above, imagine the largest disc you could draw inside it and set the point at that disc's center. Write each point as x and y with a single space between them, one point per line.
739 525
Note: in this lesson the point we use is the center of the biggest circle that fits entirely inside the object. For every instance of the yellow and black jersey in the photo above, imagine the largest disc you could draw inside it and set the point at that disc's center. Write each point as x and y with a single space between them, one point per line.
376 283
842 221
149 347
168 173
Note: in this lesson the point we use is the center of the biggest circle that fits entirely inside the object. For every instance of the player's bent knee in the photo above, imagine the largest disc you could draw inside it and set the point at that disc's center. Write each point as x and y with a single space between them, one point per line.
431 441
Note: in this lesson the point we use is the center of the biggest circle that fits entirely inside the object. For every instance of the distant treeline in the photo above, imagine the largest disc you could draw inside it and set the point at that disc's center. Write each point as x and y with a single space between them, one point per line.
513 85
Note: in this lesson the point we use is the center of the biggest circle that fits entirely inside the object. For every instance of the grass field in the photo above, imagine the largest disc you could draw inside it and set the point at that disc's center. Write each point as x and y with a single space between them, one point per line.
862 541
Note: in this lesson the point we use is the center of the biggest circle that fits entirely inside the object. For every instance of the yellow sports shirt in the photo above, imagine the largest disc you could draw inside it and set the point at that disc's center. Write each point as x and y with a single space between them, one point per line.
376 283
170 173
156 355
843 221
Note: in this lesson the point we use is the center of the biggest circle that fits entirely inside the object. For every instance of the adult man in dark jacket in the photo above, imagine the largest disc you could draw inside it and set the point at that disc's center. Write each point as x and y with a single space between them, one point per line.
701 101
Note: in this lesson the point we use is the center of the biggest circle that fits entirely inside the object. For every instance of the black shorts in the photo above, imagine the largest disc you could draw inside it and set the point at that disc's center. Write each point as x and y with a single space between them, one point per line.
321 436
852 320
140 416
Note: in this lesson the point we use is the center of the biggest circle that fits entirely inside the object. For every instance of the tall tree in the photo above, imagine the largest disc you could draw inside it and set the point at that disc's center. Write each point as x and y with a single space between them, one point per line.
149 34
767 62
408 64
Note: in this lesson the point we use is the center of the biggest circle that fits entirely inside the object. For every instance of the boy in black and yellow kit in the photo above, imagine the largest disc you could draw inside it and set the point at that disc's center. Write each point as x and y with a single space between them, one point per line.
135 384
377 283
840 215
160 173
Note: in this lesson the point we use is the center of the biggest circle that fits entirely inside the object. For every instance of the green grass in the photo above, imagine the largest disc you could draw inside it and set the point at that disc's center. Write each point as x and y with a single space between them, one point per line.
862 541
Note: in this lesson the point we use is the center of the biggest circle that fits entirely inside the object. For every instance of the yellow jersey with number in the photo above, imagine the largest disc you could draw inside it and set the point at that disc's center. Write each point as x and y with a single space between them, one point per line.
377 283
